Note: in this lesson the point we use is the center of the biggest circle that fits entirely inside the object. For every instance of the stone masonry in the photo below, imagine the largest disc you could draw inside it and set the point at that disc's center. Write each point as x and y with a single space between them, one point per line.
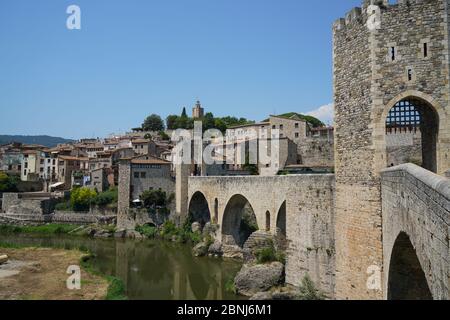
367 84
417 203
309 216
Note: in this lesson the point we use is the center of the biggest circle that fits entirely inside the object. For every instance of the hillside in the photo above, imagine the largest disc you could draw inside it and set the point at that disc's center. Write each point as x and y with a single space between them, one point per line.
47 141
312 120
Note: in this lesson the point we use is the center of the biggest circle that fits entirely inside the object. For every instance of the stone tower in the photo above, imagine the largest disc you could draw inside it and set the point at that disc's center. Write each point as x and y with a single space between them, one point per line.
385 56
198 112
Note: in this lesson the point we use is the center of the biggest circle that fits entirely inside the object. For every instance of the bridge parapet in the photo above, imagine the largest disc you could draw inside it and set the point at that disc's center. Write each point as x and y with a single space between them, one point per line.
416 204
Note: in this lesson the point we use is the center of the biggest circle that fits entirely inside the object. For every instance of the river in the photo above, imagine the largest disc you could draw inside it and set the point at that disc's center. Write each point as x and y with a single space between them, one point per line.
150 269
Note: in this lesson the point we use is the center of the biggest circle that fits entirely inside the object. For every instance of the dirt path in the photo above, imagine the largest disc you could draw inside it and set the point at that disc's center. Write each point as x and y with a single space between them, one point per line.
37 273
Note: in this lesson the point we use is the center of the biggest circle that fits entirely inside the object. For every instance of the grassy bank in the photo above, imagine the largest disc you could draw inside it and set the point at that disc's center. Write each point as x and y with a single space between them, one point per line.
47 229
116 287
169 231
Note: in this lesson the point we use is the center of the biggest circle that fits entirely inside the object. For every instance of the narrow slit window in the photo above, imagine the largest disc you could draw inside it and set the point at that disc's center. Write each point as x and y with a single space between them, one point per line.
410 74
392 53
425 50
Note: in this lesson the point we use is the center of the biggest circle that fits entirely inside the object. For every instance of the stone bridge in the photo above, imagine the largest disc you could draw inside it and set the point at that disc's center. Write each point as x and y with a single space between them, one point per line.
296 207
416 224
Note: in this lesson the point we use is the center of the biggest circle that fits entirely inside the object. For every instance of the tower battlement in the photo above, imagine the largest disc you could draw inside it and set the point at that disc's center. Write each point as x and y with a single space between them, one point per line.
384 55
360 15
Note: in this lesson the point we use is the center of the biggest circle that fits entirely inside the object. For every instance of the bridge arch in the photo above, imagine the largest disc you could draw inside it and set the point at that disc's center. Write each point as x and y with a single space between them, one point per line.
280 231
199 209
406 279
239 221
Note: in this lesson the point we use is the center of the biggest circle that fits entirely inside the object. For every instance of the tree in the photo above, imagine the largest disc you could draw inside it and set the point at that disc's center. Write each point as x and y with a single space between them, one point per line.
171 122
154 198
208 121
153 123
7 183
220 125
81 199
164 136
183 113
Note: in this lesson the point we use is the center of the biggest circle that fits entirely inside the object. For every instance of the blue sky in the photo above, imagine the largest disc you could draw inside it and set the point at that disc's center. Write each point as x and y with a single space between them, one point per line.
247 58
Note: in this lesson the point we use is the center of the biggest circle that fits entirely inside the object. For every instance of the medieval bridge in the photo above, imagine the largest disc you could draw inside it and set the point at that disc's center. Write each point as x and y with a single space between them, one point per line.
415 227
297 207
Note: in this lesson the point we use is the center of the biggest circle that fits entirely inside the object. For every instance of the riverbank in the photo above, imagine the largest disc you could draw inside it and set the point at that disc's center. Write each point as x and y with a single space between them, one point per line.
40 274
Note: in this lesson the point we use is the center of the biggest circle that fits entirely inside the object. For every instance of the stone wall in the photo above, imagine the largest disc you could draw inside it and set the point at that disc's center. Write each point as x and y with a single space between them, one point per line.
367 84
157 177
27 204
60 217
316 152
417 203
404 148
309 216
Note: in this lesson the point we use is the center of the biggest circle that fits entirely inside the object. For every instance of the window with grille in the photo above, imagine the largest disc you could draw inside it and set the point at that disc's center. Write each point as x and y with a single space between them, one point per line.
404 117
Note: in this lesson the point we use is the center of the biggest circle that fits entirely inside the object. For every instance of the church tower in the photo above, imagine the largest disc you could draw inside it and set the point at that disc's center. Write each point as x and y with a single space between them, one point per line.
198 112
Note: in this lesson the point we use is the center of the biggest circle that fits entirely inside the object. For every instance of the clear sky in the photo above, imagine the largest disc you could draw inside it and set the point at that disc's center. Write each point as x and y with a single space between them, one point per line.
131 58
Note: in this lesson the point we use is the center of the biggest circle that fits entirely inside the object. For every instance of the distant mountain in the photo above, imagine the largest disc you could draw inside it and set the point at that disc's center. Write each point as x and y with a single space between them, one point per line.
41 140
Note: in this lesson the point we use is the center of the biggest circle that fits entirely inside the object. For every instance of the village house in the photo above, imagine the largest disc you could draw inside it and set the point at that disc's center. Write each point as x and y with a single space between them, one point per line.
144 146
146 173
70 166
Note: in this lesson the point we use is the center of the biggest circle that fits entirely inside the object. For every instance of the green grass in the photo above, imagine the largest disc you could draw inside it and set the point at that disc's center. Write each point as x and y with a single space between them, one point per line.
269 254
230 287
116 287
43 229
308 290
8 245
148 231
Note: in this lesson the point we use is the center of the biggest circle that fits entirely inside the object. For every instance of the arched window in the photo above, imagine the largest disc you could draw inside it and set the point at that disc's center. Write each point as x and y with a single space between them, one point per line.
216 211
411 134
267 221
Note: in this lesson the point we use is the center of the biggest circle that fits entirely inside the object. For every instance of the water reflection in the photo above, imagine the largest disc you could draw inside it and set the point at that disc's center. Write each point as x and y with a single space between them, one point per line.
151 270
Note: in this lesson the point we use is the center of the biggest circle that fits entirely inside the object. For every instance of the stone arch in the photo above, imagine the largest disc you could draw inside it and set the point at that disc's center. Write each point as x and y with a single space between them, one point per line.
406 279
431 113
199 209
239 221
281 227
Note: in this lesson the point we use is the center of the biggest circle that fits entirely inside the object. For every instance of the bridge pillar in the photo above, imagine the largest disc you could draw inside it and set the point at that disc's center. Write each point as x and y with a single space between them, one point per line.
182 172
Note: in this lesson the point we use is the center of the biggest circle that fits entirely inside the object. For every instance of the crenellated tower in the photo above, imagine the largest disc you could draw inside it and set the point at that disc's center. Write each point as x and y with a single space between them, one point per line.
391 71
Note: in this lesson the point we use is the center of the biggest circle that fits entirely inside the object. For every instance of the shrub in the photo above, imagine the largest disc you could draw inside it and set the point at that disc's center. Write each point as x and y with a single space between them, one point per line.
308 290
269 254
164 136
81 199
63 206
107 198
147 230
154 198
266 255
8 183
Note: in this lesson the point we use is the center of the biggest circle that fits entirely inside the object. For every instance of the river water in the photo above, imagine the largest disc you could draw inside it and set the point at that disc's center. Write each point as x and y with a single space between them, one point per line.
151 269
